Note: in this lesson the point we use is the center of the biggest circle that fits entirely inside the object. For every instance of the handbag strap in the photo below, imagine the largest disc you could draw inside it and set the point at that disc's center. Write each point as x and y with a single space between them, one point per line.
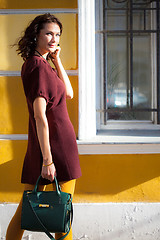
44 228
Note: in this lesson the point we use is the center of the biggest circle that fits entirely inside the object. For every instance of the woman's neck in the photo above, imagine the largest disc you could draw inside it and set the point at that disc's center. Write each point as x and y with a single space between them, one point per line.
41 55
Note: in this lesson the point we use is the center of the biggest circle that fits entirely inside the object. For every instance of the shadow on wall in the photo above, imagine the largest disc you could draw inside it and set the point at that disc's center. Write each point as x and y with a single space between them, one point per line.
10 170
14 114
102 174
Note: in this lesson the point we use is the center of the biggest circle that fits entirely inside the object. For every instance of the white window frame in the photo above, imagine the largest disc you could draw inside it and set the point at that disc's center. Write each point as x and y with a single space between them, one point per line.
87 92
88 141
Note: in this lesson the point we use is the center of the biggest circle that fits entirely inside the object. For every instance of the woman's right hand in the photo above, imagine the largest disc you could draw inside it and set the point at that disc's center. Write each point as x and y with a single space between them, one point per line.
48 172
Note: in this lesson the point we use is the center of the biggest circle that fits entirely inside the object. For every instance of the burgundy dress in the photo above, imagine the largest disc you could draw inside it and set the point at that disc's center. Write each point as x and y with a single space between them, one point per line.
39 79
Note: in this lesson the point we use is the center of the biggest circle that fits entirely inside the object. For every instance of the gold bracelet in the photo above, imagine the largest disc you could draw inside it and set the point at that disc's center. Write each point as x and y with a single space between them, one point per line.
47 164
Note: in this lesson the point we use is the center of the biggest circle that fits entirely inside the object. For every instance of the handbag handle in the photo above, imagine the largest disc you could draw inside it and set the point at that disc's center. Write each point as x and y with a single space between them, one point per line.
58 188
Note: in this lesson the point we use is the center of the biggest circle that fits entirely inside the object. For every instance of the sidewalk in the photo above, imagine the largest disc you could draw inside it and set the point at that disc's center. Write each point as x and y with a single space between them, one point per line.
102 221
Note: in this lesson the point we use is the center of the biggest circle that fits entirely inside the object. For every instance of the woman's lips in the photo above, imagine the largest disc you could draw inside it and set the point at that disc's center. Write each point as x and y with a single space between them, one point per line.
52 45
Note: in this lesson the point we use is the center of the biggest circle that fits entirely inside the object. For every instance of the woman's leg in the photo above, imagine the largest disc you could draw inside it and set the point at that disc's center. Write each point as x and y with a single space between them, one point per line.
68 187
14 231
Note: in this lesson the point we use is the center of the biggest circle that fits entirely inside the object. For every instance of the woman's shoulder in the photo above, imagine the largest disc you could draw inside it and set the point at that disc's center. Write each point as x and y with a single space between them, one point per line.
36 61
32 63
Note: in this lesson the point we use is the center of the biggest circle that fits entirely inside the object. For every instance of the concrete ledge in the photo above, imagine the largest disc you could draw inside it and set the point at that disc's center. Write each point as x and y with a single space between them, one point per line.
102 221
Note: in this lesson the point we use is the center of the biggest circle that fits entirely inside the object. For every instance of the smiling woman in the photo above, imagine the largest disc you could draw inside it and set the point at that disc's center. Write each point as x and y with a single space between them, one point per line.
40 35
52 148
48 39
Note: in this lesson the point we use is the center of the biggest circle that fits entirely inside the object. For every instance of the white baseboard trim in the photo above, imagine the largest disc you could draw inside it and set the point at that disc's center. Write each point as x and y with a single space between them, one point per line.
85 148
38 11
18 73
102 221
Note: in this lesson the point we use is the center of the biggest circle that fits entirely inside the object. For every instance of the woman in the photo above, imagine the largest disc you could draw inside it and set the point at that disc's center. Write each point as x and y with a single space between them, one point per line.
52 149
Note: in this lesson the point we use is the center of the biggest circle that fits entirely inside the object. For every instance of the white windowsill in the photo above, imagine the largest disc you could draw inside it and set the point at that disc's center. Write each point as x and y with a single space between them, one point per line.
103 148
112 144
122 142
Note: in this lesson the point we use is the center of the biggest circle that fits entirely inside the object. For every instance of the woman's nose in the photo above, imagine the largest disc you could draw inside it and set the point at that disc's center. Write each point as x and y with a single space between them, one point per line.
53 38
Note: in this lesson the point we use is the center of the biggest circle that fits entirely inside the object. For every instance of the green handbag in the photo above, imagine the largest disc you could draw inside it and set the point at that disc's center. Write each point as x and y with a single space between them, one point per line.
47 211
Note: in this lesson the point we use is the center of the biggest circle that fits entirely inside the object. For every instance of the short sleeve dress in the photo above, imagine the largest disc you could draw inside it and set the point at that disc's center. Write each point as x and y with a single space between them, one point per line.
40 79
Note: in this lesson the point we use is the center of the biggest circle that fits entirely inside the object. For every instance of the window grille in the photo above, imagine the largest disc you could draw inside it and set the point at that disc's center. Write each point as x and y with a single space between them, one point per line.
130 61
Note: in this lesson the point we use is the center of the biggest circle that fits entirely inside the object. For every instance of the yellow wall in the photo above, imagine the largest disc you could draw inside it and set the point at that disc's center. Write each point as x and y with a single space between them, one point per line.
21 4
13 107
68 42
106 178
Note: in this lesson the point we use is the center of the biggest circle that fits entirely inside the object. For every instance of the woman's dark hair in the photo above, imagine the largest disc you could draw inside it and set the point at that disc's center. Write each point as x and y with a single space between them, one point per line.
27 43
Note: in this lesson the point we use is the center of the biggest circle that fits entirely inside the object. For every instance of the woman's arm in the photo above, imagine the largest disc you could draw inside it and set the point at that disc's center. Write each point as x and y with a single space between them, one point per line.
39 107
61 72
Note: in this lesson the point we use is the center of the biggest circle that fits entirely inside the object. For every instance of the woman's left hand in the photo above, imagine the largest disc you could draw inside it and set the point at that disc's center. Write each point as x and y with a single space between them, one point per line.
49 172
55 55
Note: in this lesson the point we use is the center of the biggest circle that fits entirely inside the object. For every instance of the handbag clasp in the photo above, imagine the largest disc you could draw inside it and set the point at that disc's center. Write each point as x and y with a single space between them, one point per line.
44 205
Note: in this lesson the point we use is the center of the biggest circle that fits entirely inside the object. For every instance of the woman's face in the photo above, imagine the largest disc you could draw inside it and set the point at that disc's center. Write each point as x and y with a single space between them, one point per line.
48 38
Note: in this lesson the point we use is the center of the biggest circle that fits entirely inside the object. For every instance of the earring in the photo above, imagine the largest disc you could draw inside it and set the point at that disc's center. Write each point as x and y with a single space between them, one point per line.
35 39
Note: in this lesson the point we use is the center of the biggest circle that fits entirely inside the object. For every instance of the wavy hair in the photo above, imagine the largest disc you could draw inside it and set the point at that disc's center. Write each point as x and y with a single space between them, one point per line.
27 43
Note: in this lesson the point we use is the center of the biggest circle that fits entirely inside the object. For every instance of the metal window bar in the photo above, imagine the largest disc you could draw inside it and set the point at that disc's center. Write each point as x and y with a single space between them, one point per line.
158 61
130 8
104 66
131 53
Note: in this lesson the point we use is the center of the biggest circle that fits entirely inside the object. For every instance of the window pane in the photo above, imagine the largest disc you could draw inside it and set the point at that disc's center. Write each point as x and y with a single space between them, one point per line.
116 4
116 72
116 21
142 75
141 20
118 76
128 58
127 61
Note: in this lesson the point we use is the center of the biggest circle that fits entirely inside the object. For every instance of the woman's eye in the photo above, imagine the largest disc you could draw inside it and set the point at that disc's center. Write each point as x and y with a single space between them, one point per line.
52 34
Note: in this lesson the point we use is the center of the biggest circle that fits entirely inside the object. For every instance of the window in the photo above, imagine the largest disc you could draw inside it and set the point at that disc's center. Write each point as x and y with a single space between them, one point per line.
138 30
127 40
